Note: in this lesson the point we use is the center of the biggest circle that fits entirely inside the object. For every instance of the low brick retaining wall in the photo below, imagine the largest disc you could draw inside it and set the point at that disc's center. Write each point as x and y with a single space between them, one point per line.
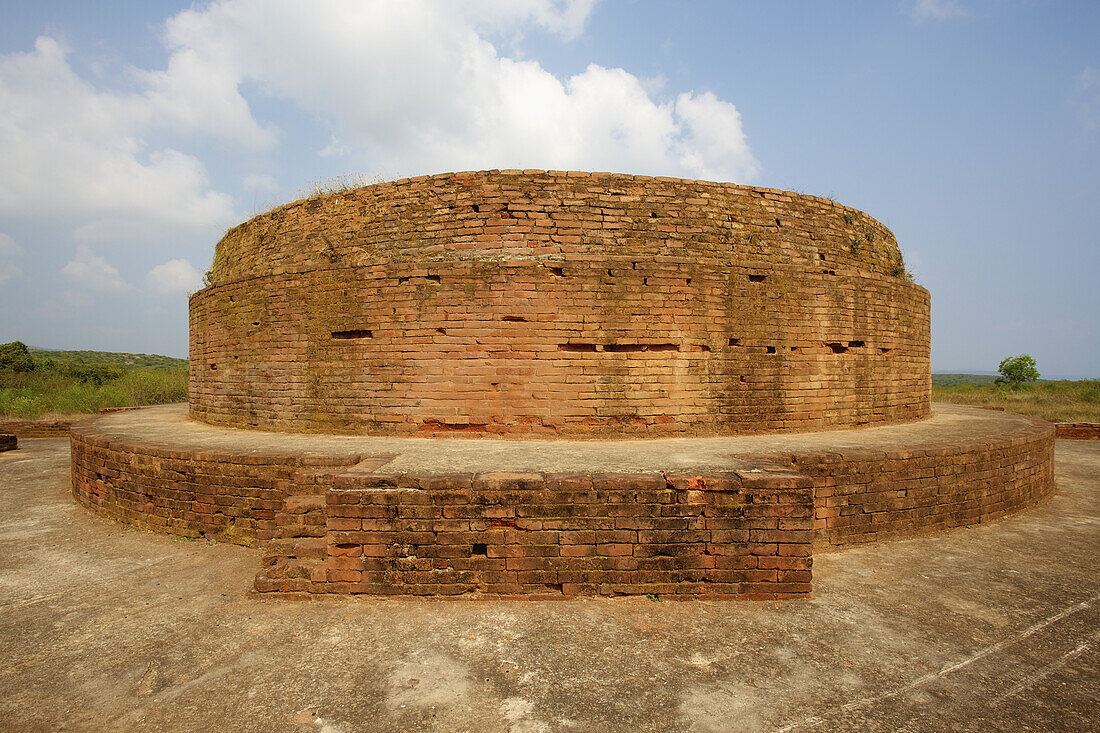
1078 430
731 535
8 442
36 428
218 495
338 523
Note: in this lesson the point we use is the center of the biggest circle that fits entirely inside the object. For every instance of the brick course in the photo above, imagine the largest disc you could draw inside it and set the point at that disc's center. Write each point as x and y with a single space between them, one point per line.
577 305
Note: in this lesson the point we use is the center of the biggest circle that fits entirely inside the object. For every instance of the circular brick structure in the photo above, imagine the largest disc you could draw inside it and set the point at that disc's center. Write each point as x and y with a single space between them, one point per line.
533 304
565 315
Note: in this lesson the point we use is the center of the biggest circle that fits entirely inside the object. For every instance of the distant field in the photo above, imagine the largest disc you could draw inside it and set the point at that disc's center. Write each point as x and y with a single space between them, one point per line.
154 361
37 383
1057 401
953 380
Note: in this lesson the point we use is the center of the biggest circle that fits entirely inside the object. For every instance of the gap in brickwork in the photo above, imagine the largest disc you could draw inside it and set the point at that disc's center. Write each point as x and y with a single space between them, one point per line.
355 333
769 349
885 350
618 348
702 347
855 344
758 278
838 348
735 342
514 319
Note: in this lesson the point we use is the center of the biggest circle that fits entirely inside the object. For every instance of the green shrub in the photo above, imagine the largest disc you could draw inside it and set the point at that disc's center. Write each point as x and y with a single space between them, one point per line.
1017 370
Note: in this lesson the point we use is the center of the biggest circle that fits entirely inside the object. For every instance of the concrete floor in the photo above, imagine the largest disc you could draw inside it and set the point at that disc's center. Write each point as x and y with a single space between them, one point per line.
103 628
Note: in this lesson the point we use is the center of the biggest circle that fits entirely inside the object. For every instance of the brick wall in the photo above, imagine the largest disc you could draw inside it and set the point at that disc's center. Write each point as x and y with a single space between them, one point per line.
534 535
8 442
334 523
863 496
217 495
1078 430
580 305
36 428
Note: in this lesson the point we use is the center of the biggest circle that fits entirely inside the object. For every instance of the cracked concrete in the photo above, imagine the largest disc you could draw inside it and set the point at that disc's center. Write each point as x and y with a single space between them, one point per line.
104 628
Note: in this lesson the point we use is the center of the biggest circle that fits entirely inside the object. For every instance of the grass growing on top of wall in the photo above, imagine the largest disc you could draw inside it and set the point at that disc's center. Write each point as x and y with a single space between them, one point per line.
1057 401
35 384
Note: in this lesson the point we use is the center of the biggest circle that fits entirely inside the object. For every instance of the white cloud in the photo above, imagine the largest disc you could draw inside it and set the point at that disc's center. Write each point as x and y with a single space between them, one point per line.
937 10
415 87
8 247
1086 98
74 153
260 182
173 277
92 271
9 271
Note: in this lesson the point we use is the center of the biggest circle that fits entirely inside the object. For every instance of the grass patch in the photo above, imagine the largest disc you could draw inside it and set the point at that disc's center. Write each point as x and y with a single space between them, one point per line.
1057 401
36 384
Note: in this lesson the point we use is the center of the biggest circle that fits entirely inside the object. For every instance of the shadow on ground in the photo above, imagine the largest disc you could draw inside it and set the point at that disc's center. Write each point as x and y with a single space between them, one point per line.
991 628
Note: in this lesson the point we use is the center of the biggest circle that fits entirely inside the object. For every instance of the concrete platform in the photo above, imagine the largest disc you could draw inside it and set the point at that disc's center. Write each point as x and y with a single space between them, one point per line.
991 628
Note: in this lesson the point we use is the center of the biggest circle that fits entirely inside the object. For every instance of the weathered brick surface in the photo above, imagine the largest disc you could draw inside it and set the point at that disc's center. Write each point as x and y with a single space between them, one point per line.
219 495
544 536
1078 430
8 442
863 496
36 428
539 535
535 303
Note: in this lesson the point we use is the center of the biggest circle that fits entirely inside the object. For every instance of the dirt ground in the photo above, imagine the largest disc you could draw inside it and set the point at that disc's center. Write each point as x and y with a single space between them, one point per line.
103 628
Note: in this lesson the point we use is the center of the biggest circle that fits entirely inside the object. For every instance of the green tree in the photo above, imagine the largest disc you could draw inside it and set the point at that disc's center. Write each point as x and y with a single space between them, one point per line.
1017 370
14 356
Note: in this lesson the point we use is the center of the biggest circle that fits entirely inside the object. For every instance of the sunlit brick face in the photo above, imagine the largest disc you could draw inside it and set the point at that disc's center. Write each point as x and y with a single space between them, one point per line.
534 304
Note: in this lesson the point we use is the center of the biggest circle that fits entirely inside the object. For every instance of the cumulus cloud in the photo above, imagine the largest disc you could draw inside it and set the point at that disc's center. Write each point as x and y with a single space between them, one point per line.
417 87
92 271
75 153
173 277
937 10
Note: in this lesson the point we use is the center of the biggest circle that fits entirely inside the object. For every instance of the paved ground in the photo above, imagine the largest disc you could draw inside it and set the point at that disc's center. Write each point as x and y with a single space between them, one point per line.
169 426
107 629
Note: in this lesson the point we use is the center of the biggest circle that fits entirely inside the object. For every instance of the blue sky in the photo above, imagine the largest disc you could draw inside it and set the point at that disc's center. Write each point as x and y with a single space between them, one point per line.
132 134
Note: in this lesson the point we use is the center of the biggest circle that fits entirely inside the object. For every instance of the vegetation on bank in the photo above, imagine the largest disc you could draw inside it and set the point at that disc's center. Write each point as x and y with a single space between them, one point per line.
1057 401
38 383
